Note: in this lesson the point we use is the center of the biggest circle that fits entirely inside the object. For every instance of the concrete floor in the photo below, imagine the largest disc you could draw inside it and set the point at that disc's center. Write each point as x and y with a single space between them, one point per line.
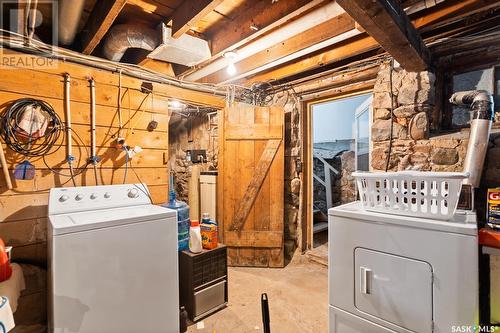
298 300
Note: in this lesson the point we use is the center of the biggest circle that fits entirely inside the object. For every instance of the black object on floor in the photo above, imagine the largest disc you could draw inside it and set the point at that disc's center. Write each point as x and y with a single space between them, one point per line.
183 320
266 320
203 282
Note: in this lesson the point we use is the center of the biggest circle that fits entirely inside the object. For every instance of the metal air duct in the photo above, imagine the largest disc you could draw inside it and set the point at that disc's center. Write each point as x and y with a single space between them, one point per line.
70 13
122 37
481 103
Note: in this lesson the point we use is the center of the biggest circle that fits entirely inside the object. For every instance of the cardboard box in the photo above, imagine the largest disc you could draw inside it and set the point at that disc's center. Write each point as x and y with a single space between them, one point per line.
494 208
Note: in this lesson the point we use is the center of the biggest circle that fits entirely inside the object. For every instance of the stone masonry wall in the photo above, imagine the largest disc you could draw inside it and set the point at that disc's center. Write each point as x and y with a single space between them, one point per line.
343 184
293 182
188 134
413 100
413 147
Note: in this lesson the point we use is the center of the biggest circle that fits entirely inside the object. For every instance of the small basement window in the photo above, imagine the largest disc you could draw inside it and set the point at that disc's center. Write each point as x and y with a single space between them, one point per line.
483 79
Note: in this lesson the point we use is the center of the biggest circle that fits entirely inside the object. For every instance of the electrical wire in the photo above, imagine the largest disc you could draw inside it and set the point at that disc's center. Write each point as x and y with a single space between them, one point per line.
391 135
126 165
18 140
140 181
12 40
79 170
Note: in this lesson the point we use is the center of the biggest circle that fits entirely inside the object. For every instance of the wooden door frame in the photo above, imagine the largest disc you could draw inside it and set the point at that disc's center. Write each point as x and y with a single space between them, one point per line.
306 242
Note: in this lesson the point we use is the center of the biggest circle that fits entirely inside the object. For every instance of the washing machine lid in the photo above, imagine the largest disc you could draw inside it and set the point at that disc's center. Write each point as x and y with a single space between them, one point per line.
105 218
354 210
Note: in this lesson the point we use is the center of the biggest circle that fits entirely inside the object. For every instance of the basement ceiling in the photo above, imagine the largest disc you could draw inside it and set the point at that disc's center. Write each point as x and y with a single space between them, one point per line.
253 28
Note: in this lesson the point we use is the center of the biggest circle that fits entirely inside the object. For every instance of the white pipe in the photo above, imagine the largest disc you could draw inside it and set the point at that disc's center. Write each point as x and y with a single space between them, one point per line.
67 111
70 13
482 106
294 28
303 52
92 122
69 137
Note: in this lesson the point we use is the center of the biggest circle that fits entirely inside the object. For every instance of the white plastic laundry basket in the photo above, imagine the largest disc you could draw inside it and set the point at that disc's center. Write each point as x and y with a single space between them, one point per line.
411 193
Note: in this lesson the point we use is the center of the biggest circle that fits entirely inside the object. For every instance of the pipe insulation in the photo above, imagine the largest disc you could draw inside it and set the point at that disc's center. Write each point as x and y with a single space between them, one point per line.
481 104
69 15
122 37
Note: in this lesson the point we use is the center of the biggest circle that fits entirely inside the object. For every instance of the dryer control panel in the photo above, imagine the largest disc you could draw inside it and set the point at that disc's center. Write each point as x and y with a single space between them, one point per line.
65 200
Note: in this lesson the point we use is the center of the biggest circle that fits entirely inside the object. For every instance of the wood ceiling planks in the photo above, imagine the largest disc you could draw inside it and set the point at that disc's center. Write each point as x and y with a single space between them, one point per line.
359 45
102 17
261 14
189 13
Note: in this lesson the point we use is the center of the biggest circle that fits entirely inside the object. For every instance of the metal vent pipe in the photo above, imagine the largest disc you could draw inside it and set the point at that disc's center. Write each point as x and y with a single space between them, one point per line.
70 13
122 37
481 104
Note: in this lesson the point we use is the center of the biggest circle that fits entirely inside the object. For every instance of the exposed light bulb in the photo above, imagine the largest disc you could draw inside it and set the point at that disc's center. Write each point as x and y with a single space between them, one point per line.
231 69
176 104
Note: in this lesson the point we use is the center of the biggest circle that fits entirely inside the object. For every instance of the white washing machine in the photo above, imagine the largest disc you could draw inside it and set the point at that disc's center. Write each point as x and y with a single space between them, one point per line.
113 261
390 273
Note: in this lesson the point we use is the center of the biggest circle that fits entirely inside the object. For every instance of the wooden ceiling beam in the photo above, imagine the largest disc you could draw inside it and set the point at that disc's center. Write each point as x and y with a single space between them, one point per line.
254 19
189 13
100 20
359 45
158 66
329 29
387 23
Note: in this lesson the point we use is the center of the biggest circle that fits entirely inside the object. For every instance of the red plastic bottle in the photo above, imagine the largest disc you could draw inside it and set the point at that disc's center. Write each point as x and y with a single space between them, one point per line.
5 269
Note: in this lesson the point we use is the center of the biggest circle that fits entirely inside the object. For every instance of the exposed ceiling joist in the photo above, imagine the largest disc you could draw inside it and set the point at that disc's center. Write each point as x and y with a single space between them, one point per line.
322 32
387 23
158 66
255 19
189 13
359 45
102 17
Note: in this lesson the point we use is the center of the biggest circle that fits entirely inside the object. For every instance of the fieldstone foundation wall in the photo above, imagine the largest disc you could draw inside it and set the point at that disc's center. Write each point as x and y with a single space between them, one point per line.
343 184
412 98
413 148
293 181
191 134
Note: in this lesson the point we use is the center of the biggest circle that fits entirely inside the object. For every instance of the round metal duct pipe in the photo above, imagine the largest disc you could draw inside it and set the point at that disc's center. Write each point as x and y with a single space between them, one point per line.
70 13
122 37
481 103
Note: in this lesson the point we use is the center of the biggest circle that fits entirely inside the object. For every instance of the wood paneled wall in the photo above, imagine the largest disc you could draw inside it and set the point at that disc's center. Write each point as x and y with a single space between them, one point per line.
23 210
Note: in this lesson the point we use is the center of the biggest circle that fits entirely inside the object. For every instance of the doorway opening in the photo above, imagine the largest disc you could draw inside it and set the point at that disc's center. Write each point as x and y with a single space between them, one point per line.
340 145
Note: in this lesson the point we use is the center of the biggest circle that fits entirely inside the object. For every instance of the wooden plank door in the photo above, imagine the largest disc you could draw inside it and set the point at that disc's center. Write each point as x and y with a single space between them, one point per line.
251 184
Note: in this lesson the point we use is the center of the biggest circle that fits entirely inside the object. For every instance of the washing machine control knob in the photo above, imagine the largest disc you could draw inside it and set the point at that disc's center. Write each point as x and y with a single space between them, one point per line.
63 198
133 193
93 196
107 195
79 197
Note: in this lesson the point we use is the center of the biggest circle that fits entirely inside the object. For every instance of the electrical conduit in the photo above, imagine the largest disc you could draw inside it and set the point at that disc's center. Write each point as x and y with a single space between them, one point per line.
67 110
93 157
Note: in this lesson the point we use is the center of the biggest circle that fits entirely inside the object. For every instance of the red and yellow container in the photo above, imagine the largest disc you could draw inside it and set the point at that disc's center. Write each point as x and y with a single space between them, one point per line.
494 208
209 238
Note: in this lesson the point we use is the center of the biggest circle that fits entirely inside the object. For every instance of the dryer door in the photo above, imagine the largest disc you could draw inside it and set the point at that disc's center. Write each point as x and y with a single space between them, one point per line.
393 288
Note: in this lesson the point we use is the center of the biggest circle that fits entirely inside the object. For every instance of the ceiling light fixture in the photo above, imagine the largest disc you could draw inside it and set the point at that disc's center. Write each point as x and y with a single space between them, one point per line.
231 69
231 57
